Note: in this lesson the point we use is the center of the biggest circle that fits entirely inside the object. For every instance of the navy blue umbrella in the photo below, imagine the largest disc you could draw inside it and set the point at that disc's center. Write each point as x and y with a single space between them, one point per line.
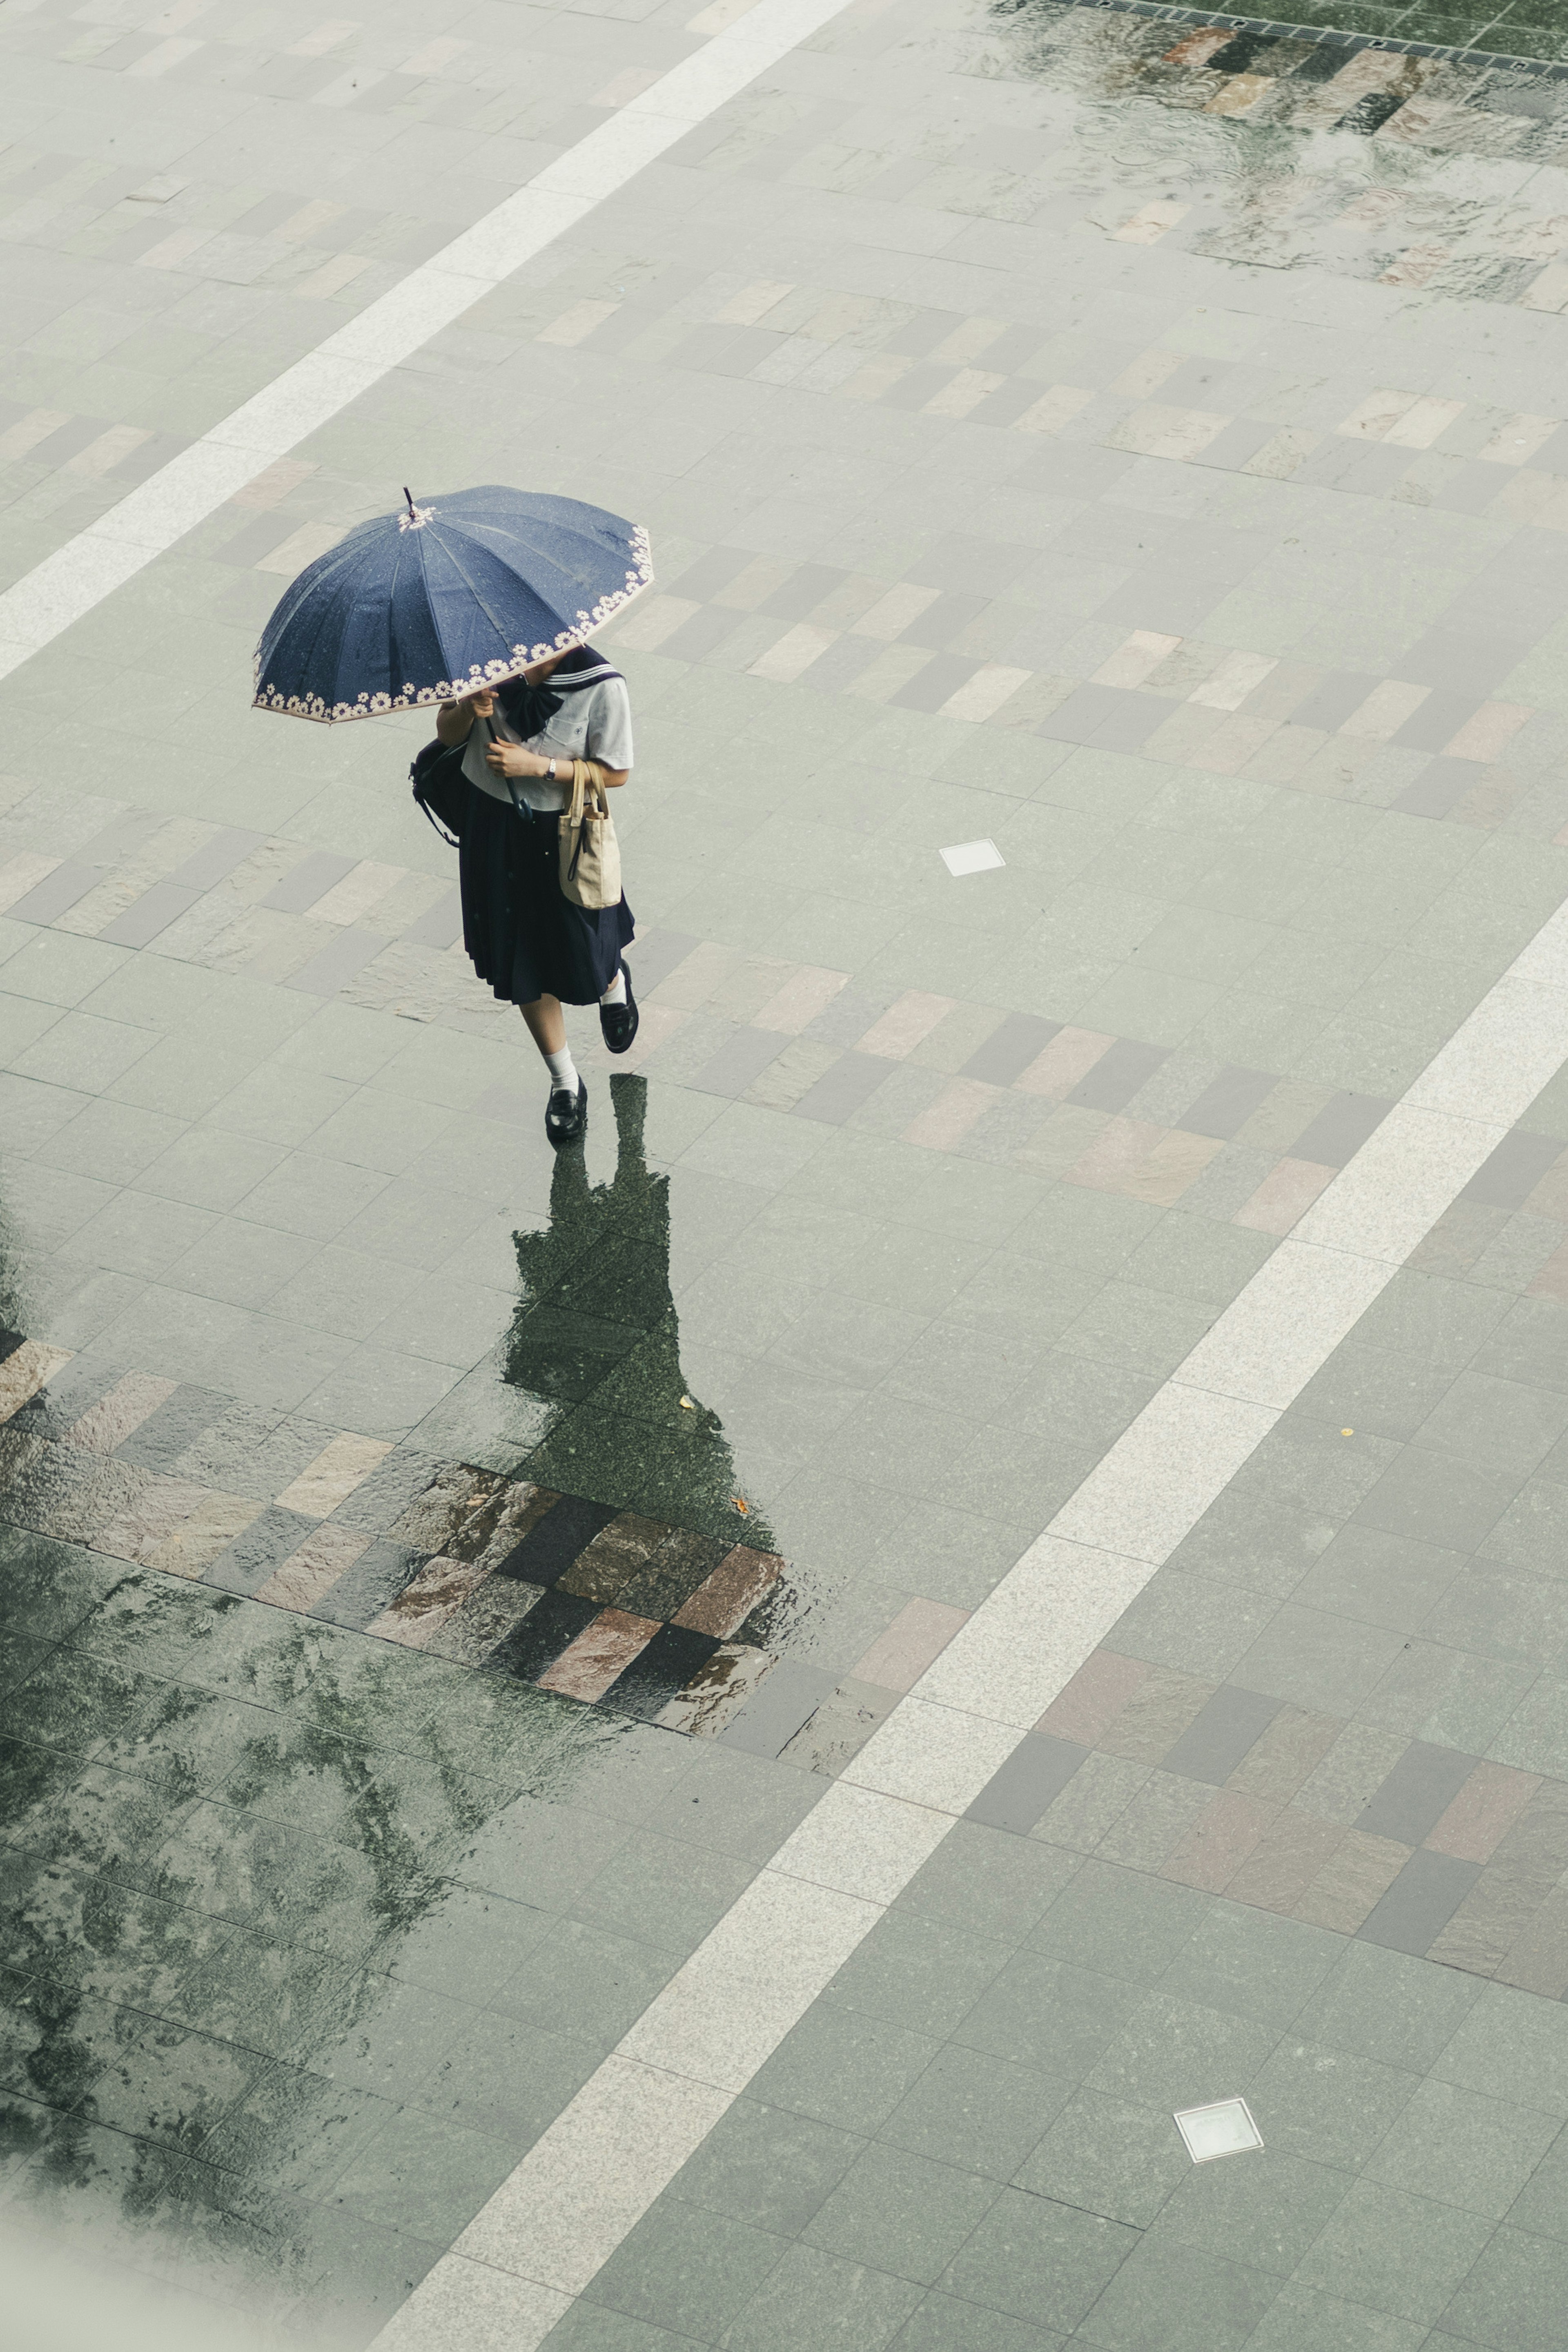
441 600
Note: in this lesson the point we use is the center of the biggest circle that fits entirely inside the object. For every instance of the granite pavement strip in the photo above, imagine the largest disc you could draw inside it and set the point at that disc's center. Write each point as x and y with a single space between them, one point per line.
1296 923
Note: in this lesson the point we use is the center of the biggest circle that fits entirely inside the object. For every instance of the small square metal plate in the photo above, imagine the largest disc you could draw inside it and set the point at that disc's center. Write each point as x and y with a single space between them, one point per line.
972 857
1225 2128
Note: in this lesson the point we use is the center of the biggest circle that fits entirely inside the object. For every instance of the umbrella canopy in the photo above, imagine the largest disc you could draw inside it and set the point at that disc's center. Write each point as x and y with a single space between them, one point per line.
441 600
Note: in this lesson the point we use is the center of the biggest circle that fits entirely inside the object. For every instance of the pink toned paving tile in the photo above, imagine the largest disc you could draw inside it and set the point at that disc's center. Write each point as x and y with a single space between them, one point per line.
107 1424
1219 1841
1293 1746
800 998
332 1477
1291 1853
1121 1148
726 1599
905 1023
25 1371
1484 1810
945 1122
1087 1707
428 1600
1356 1875
586 1667
1284 1196
1155 1716
1069 1057
319 1562
919 1633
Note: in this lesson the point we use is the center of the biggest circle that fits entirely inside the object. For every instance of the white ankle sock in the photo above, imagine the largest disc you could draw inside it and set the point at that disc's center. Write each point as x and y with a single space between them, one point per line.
562 1071
616 992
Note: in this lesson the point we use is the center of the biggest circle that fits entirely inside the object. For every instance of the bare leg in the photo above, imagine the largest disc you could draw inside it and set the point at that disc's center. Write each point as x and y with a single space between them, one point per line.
547 1025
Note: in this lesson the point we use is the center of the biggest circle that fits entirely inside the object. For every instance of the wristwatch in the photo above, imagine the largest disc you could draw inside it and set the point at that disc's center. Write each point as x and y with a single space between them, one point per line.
551 772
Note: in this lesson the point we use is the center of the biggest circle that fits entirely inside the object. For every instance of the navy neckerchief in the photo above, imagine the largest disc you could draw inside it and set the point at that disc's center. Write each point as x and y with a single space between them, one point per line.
528 709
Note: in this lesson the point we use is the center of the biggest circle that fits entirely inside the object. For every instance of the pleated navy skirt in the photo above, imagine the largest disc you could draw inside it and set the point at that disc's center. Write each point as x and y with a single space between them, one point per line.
521 935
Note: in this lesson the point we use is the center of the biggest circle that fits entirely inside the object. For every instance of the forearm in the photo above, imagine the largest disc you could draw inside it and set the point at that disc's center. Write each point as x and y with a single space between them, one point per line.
454 722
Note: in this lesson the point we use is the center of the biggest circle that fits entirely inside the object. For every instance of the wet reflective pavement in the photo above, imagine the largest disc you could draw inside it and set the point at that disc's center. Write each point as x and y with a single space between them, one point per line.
438 1575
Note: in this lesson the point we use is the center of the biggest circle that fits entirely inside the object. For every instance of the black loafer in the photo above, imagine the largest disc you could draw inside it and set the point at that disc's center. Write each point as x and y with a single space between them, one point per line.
566 1114
618 1022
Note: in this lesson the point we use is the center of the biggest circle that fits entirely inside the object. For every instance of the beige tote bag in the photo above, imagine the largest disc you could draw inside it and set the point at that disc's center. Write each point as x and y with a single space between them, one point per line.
590 852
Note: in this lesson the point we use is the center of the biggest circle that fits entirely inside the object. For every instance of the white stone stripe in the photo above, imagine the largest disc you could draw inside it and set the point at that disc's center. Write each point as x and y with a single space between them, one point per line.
180 495
623 2139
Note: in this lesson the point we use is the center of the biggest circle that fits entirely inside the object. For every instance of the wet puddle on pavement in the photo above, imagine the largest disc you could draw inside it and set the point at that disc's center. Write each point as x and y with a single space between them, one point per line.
1284 153
619 1563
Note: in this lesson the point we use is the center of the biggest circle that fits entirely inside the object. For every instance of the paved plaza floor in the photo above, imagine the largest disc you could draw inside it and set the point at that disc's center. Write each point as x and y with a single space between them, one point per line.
702 1742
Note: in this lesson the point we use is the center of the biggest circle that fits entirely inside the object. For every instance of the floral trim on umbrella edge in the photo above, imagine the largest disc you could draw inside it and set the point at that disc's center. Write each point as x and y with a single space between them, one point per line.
492 673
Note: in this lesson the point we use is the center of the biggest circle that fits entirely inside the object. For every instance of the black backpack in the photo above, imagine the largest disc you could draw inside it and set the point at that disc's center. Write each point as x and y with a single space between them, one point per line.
441 788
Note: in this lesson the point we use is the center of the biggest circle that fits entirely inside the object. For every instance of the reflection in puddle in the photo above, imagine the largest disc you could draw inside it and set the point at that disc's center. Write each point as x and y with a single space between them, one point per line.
596 1336
1283 154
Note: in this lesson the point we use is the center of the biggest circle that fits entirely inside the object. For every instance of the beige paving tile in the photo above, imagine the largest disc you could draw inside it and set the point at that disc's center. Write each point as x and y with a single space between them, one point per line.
1120 1148
1292 1850
1069 1057
1279 1763
26 1369
332 1477
1155 1715
1356 1875
127 1406
1175 1163
944 1122
1484 1810
1284 1196
1155 1822
210 1529
148 1522
1219 1841
309 1570
907 1021
1538 1961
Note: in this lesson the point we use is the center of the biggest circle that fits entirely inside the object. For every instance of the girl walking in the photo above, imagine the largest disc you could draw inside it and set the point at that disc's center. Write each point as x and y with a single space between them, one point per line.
536 949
